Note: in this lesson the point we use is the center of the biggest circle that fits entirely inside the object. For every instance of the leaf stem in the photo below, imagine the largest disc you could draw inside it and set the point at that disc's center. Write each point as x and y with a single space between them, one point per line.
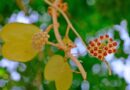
74 59
49 28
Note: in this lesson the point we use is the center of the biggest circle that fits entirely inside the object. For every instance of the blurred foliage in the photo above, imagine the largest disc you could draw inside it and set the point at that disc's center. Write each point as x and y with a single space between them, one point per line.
87 19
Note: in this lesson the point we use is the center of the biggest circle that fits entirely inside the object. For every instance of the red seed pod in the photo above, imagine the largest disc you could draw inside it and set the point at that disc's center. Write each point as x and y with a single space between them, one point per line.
99 51
95 48
106 48
88 47
114 43
110 45
95 54
109 51
107 36
91 51
100 57
98 43
105 54
114 50
92 44
96 40
101 37
110 39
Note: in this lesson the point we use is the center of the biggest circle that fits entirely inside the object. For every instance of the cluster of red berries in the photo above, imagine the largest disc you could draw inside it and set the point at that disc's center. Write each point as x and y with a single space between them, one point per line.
102 46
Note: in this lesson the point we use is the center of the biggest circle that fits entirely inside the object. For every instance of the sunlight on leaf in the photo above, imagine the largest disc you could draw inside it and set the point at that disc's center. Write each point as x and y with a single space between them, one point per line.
59 71
17 39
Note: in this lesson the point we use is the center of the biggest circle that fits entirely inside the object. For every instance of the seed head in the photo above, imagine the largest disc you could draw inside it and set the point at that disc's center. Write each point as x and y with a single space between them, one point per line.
102 46
39 39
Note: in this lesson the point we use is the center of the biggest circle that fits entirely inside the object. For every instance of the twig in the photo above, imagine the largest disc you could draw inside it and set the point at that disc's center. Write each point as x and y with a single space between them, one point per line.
49 28
58 37
76 72
74 59
67 31
67 20
55 25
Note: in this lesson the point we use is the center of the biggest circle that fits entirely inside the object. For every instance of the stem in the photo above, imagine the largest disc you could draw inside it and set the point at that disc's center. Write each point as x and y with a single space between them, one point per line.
59 39
76 72
38 80
49 28
53 44
67 20
67 31
83 73
21 5
55 25
108 66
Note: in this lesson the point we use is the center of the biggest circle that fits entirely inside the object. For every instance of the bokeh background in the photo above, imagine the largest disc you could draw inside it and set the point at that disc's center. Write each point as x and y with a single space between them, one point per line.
91 18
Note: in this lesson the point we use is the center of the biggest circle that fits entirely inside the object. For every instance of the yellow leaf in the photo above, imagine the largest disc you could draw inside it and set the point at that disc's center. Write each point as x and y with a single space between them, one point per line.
59 71
18 41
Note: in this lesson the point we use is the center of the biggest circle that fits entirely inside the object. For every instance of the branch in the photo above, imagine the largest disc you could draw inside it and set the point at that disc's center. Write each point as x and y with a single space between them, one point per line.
108 66
55 25
49 28
67 31
81 69
67 20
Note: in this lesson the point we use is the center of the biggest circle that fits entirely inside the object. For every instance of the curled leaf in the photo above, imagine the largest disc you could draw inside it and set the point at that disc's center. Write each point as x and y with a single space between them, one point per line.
59 71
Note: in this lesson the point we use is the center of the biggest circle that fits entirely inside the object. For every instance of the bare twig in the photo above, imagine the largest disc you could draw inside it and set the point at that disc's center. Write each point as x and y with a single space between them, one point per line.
59 39
67 31
74 59
55 25
49 28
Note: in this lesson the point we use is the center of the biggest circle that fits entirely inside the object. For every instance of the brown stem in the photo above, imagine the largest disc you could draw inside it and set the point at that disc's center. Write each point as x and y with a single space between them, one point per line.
76 72
53 44
49 28
58 37
55 25
21 5
74 59
67 20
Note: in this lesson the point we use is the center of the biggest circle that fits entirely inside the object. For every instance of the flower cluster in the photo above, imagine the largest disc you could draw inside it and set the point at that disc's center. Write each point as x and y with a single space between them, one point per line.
39 39
61 5
102 46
